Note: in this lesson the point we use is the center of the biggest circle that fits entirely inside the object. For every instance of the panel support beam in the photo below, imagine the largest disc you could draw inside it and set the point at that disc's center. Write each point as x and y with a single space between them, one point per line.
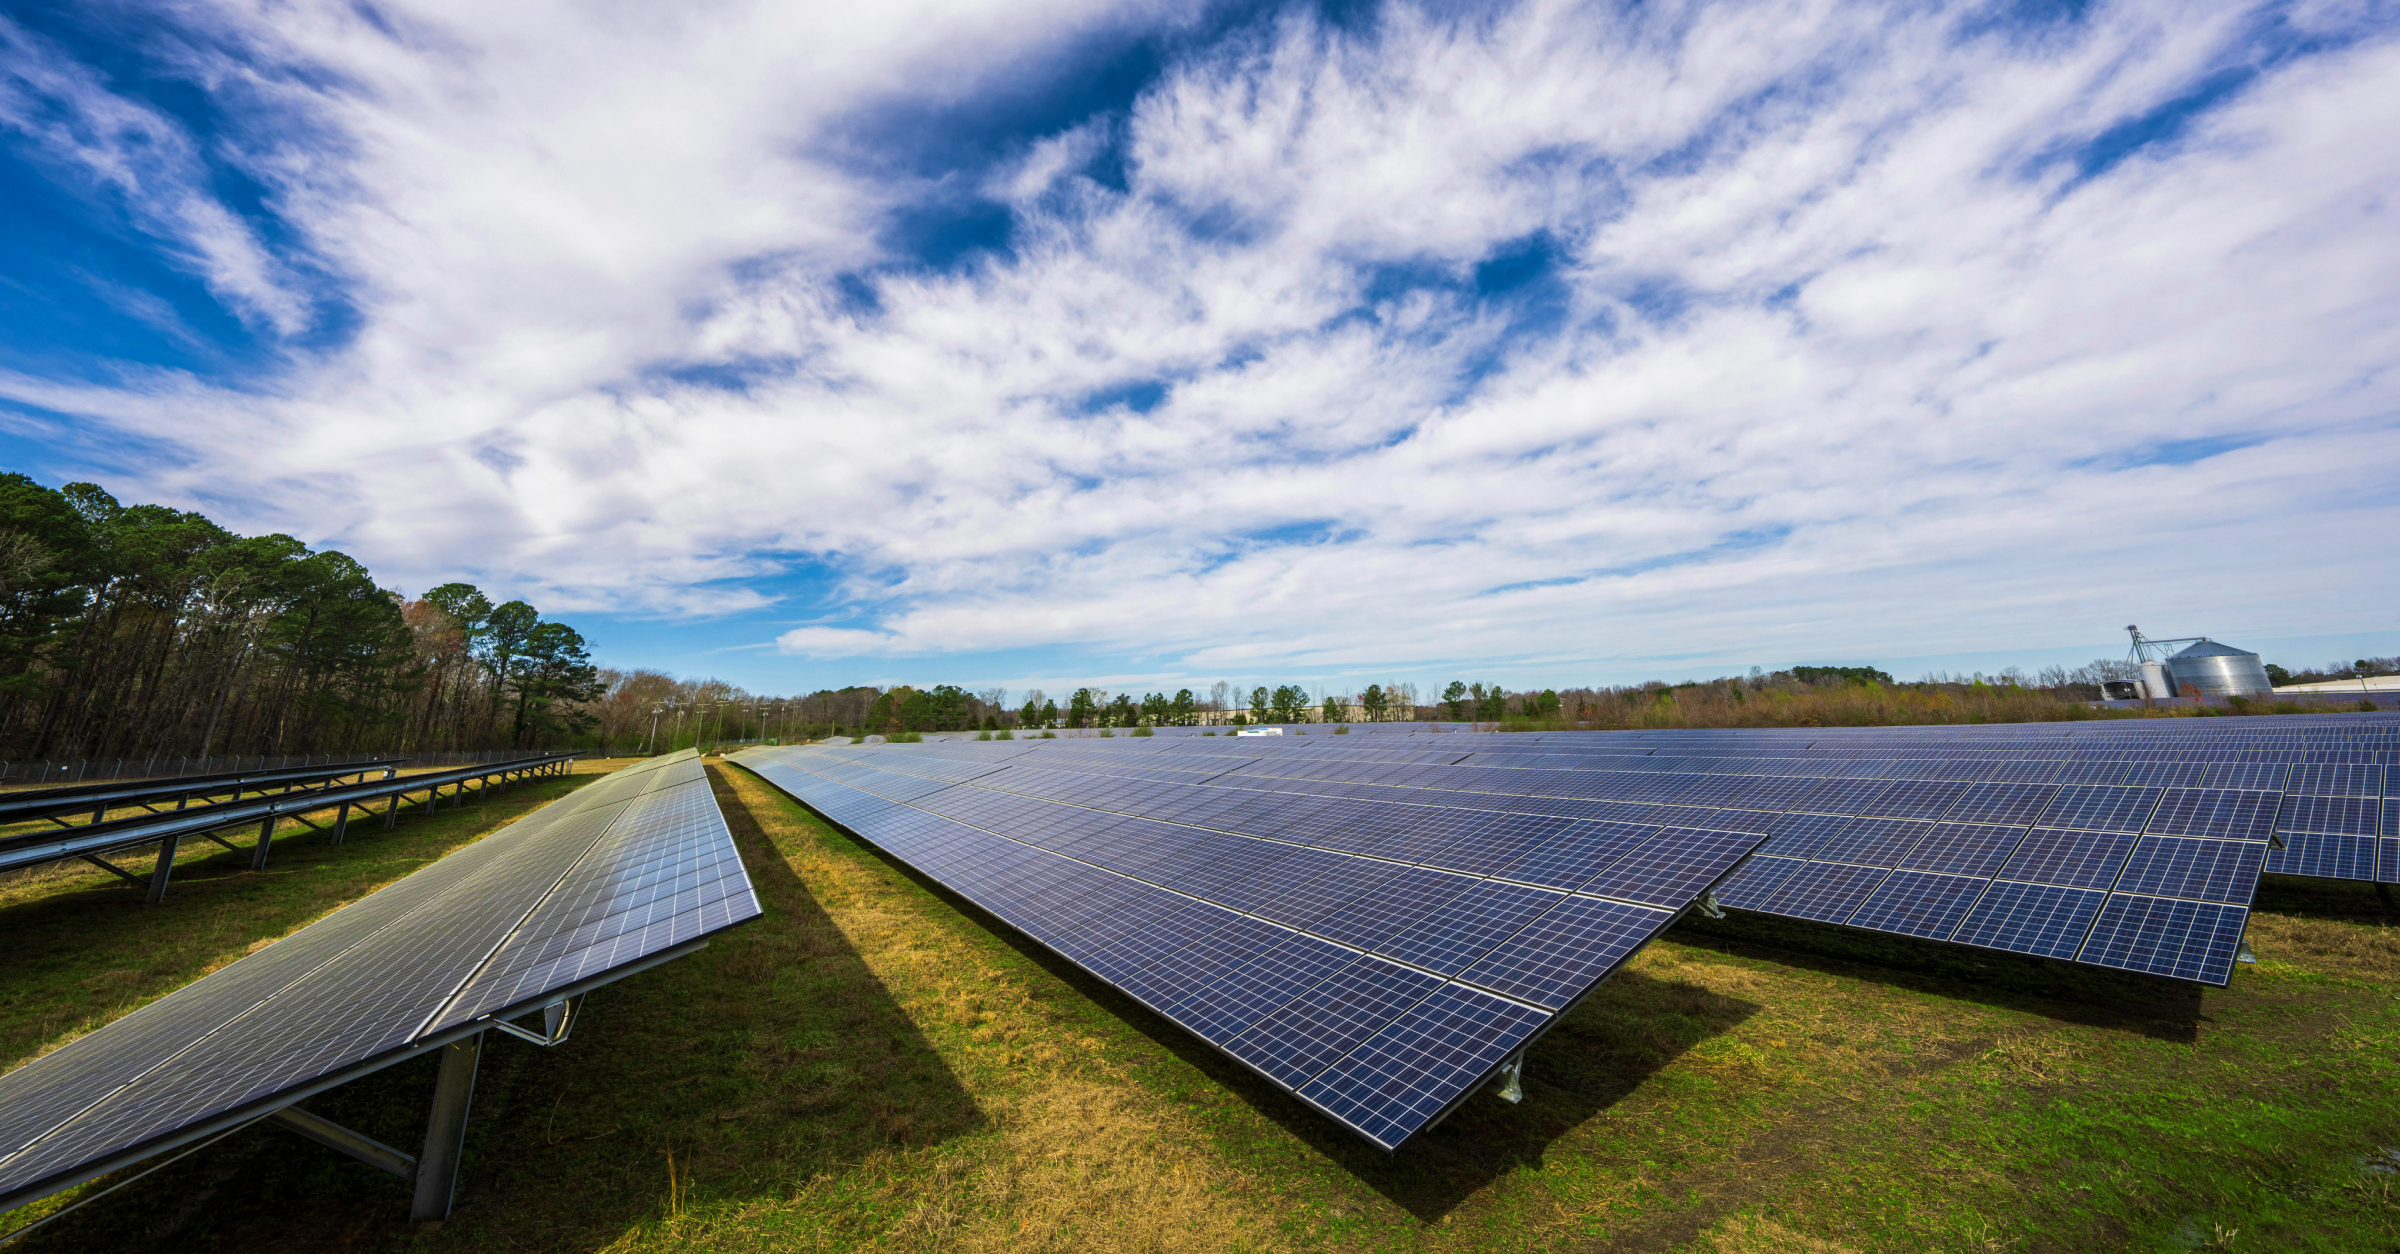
358 1145
446 1129
113 869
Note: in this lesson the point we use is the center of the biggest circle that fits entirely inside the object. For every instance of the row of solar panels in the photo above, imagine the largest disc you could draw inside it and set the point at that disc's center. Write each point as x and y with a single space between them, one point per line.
1352 964
2150 880
2334 823
2135 878
630 871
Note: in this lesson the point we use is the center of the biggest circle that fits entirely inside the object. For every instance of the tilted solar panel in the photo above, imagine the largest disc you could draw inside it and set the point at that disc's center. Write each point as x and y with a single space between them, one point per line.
1377 960
632 869
1911 853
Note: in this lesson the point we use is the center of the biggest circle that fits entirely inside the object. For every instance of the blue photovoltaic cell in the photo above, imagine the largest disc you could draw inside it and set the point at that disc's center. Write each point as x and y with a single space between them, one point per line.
2318 779
1498 842
1469 926
1916 903
1915 799
1840 796
1571 858
1828 892
2387 860
2324 856
1420 1064
1801 835
2266 776
2348 816
2006 804
2040 919
1315 1029
2188 940
2072 859
1955 848
1749 887
1671 868
2229 814
1323 888
2168 774
1391 907
1228 1005
1186 970
2203 870
1558 956
2097 809
1873 842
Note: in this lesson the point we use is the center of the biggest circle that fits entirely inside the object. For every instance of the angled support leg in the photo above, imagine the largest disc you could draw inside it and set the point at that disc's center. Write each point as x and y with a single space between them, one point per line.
160 873
446 1130
358 1145
266 837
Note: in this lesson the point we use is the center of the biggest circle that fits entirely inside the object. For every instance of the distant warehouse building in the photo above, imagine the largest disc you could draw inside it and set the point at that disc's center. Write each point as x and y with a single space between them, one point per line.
2336 687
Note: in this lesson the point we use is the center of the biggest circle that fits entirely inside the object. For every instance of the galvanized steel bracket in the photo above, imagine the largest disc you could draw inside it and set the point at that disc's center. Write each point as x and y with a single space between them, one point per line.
1510 1079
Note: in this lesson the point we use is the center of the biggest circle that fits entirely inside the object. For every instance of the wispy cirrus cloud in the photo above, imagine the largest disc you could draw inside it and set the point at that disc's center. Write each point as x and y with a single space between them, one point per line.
1553 335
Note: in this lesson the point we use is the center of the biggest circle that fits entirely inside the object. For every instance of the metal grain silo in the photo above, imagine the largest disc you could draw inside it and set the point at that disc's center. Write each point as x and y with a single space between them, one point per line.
2219 670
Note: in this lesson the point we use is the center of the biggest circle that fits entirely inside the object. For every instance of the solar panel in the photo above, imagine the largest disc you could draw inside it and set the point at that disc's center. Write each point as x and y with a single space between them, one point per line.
627 872
2073 798
1379 960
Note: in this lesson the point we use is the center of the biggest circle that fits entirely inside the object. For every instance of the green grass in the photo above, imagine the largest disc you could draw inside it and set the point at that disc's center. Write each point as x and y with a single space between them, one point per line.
875 1065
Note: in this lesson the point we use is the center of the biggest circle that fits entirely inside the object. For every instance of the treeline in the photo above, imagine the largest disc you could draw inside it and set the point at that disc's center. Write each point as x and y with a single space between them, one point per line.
1798 696
143 631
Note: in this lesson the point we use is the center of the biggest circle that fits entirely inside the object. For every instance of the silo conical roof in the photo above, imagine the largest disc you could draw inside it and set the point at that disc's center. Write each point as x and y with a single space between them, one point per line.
2210 648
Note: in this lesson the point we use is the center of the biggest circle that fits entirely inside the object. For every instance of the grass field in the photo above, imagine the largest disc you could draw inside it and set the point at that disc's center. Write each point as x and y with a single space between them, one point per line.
874 1064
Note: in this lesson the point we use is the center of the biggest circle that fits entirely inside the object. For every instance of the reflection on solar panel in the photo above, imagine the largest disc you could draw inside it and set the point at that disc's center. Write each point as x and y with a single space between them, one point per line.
1379 960
2134 845
626 873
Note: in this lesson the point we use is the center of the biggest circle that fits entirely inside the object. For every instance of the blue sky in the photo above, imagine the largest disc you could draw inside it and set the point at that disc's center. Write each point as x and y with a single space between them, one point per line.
1035 344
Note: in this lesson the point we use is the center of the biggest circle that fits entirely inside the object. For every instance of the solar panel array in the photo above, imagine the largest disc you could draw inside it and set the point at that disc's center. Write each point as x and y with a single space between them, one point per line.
2128 845
638 863
1379 960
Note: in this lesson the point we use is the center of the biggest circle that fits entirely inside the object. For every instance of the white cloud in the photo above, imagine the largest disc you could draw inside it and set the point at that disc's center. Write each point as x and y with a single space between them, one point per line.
1842 357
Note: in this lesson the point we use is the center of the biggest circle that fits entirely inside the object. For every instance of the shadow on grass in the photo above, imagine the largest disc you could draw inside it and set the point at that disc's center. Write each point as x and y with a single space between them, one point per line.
1629 1029
2348 901
768 1058
2162 1009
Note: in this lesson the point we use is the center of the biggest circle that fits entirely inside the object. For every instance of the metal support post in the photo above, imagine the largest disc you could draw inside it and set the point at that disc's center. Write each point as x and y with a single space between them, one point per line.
391 813
160 873
2384 893
100 813
446 1129
266 836
341 823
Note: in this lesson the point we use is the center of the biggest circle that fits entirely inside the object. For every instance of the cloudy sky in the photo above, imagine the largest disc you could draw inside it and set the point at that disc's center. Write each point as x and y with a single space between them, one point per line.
1052 341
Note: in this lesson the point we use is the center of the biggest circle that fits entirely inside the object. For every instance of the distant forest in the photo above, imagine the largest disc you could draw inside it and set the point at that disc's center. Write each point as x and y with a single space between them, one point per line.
139 631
